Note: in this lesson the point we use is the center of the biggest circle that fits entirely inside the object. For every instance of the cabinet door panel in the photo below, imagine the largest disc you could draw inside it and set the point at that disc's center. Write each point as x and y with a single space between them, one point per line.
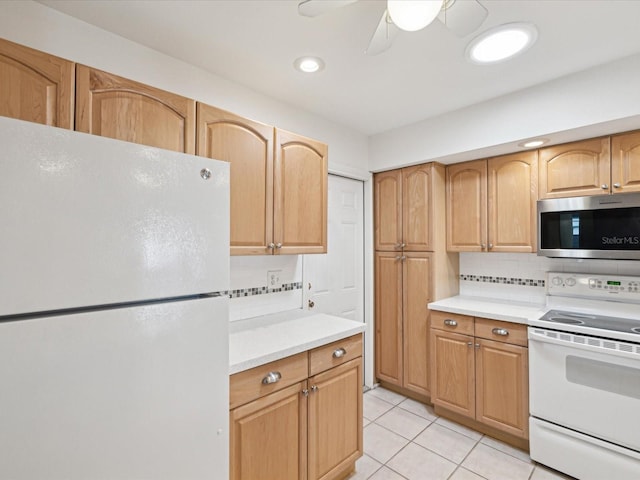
335 420
452 372
388 210
248 147
282 418
416 208
300 194
388 317
119 108
575 169
36 87
416 289
466 192
512 196
502 387
625 162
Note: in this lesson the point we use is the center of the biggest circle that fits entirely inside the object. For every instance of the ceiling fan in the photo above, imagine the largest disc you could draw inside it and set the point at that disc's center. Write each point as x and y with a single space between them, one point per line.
460 16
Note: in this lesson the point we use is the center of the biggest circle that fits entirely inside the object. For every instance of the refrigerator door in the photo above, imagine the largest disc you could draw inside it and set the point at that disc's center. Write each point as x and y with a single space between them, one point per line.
120 394
93 221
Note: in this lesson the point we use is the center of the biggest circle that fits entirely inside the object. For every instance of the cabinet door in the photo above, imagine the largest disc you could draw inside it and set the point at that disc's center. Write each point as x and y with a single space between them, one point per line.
388 317
466 192
388 210
416 291
452 372
119 108
416 208
575 169
35 86
502 387
248 147
625 162
512 195
335 421
282 418
300 195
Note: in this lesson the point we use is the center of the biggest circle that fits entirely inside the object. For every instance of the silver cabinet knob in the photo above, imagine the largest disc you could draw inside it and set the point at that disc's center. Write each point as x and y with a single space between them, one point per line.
314 388
278 245
503 332
450 323
339 353
311 303
272 377
271 246
617 185
305 392
205 173
477 345
483 246
401 257
469 344
604 186
490 246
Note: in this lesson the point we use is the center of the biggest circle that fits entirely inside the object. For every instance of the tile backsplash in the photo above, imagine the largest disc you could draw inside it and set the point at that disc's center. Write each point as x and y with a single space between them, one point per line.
521 276
250 292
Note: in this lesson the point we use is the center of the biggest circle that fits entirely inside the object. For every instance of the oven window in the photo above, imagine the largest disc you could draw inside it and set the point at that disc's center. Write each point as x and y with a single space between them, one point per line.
605 376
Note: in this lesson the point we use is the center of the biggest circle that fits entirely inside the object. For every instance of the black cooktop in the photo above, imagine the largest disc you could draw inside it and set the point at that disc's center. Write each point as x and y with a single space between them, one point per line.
593 321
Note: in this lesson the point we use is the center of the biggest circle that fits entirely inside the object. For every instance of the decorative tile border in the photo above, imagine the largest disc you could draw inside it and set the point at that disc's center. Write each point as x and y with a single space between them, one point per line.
249 292
527 282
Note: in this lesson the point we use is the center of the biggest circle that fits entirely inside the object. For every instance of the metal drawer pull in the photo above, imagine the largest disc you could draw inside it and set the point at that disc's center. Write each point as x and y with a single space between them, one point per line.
305 393
500 331
339 353
272 377
450 323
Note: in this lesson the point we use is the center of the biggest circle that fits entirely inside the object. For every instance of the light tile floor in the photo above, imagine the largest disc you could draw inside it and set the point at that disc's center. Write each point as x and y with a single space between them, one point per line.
406 440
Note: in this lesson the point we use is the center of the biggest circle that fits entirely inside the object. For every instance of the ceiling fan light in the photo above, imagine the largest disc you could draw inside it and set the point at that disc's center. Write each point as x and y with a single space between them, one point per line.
413 15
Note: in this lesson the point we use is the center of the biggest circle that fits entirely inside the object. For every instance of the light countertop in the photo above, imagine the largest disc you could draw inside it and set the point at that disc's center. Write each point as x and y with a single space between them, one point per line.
496 309
260 340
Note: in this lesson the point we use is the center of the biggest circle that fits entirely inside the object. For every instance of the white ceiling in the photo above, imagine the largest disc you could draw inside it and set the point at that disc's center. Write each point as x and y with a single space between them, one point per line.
423 75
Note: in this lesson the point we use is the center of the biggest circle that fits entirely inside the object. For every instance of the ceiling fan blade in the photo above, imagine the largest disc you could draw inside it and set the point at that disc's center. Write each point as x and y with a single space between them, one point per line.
463 16
383 37
313 8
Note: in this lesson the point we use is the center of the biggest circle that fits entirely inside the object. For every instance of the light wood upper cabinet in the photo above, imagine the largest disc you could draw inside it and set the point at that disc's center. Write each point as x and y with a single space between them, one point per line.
119 108
466 191
575 169
300 194
388 210
625 162
492 204
248 147
35 86
404 209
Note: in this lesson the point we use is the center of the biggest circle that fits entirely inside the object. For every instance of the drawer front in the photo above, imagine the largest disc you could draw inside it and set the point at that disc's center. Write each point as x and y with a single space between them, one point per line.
452 322
259 381
336 353
506 332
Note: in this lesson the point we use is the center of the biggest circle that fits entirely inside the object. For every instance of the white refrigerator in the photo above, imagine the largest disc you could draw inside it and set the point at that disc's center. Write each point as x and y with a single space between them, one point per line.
114 267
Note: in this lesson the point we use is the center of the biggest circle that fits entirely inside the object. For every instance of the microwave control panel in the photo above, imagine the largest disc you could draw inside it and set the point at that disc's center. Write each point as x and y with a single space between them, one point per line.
621 287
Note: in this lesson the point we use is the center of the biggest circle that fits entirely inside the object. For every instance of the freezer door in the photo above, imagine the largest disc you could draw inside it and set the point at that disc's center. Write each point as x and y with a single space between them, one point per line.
88 220
131 393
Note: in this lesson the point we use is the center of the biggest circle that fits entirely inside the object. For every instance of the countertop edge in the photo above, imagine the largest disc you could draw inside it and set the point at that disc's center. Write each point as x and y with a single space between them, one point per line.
486 308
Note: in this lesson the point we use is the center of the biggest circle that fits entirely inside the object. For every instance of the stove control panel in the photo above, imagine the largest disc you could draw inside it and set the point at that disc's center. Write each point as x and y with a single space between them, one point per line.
621 287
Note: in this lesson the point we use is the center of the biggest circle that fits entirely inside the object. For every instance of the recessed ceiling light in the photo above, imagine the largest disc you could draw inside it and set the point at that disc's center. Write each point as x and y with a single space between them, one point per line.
501 43
533 143
309 64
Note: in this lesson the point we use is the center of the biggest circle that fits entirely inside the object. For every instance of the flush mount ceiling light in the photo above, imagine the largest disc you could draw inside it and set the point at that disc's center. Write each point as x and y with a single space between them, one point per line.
533 143
501 43
413 15
309 64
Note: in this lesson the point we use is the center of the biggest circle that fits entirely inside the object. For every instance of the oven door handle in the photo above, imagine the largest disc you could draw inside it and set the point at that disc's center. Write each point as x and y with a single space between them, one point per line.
539 335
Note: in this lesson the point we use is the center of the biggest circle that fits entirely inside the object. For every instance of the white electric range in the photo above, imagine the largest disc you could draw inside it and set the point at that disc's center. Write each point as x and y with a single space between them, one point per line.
584 375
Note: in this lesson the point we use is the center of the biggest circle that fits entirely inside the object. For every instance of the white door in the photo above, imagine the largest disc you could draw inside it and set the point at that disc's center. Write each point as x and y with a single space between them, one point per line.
334 283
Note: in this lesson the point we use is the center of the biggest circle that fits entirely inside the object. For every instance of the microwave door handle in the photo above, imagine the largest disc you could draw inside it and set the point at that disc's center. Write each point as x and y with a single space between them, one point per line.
542 338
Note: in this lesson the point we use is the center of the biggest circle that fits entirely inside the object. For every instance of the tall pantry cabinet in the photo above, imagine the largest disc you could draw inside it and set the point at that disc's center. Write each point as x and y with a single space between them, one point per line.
412 269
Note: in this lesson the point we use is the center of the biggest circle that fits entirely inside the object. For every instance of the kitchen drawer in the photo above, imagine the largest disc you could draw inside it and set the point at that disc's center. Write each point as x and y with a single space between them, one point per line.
251 384
452 322
506 332
336 353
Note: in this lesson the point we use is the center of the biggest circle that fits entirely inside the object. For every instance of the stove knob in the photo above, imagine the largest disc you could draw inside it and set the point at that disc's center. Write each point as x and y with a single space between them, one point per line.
570 281
556 281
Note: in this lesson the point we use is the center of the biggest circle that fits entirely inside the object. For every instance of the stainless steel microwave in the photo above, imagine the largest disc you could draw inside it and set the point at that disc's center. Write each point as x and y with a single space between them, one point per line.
602 226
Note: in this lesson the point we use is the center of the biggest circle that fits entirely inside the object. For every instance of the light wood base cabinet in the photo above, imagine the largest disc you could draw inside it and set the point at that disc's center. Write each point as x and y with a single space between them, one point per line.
480 371
300 430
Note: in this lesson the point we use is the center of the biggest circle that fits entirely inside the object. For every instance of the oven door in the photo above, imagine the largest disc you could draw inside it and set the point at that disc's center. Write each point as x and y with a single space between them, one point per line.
586 384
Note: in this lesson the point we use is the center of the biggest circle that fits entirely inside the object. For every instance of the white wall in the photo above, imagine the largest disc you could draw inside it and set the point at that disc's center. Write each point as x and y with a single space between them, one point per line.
599 101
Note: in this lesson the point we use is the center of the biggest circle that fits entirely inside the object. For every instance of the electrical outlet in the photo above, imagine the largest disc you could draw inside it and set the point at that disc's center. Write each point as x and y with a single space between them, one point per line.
273 279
